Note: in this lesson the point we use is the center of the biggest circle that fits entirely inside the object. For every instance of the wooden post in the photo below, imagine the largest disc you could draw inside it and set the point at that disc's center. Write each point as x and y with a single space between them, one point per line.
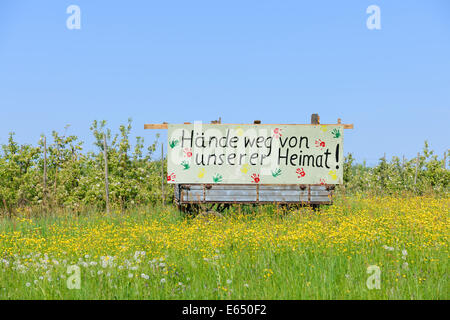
105 154
417 167
383 173
6 207
45 168
55 200
162 175
445 159
315 119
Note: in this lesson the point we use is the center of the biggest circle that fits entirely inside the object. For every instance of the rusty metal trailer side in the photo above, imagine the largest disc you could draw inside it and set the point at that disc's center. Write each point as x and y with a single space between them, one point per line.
238 193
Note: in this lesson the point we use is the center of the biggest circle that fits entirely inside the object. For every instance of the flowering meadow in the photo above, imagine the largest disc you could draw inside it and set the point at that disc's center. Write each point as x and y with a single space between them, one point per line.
266 252
57 242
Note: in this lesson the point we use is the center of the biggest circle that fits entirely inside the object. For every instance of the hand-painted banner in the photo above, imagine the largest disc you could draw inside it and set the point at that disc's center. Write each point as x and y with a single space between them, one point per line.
255 154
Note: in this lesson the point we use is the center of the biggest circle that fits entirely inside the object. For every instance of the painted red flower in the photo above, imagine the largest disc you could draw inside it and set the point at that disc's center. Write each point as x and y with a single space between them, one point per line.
188 152
277 133
300 172
255 178
320 143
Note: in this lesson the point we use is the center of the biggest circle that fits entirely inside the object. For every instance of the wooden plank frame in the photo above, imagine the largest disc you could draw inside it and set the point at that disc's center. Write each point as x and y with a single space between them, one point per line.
165 125
179 188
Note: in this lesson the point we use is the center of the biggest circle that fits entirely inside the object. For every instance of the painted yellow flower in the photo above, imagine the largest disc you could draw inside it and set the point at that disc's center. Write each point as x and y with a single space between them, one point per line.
244 168
333 174
239 131
323 128
201 173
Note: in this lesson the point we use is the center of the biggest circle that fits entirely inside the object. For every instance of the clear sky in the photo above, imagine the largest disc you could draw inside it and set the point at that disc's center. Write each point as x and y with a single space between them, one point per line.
277 61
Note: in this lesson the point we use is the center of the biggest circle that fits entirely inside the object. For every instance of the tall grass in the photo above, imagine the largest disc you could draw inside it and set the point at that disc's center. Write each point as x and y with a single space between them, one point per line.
157 252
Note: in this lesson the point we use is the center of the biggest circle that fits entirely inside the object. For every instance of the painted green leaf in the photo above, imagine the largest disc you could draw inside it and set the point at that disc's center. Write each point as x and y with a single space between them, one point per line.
185 165
173 143
276 173
336 133
217 178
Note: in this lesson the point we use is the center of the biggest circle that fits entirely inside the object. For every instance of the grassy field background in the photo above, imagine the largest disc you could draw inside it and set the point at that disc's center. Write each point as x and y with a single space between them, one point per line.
253 253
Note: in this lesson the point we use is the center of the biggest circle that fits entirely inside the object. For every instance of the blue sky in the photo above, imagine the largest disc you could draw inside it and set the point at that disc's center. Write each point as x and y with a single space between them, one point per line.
275 61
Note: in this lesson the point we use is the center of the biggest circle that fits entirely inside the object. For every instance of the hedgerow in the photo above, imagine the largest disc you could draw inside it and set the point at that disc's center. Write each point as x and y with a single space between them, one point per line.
76 179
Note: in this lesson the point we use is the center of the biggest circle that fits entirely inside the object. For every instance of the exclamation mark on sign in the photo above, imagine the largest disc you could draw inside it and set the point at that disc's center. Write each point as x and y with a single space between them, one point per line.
337 156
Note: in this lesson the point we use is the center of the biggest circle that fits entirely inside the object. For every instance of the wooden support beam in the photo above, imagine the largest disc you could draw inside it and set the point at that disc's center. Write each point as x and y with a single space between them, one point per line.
165 125
105 155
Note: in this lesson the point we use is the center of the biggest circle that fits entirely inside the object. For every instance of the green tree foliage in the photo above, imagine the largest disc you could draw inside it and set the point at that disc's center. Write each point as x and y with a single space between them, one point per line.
19 175
398 175
76 179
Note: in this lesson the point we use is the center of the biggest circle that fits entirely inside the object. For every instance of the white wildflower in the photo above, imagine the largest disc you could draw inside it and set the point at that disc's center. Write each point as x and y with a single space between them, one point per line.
137 254
106 261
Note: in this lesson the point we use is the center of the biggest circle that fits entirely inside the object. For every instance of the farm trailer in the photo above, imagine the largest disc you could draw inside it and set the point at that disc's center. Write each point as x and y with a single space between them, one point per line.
190 196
